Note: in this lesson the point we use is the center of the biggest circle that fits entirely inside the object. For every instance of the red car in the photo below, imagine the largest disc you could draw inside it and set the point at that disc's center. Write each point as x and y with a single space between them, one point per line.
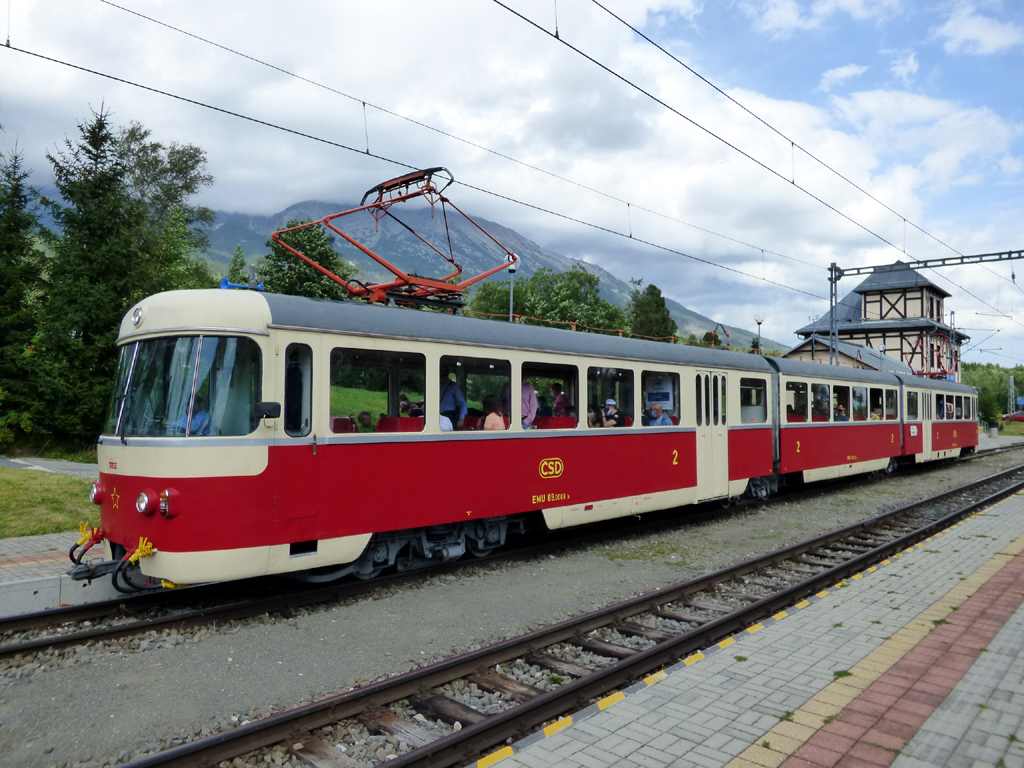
1015 416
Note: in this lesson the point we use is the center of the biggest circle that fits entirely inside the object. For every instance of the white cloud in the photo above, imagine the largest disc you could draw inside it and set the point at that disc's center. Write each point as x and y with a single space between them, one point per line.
781 18
834 77
905 68
967 31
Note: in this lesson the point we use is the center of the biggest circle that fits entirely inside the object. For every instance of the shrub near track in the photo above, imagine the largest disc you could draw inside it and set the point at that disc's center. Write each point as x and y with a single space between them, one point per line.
34 503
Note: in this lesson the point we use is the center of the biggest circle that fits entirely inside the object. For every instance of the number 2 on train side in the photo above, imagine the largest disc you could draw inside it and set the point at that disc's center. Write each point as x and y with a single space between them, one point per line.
675 458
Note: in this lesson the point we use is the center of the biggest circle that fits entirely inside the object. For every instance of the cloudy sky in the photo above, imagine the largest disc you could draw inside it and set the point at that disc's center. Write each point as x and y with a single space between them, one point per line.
726 151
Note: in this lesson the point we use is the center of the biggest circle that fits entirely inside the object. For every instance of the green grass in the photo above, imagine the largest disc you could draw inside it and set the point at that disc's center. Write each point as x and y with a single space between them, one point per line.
33 503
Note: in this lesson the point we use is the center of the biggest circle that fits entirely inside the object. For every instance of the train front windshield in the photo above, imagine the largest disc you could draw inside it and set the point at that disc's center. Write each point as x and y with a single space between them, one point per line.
186 386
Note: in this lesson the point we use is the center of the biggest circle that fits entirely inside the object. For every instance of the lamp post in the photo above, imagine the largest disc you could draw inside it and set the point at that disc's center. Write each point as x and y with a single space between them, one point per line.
759 318
511 289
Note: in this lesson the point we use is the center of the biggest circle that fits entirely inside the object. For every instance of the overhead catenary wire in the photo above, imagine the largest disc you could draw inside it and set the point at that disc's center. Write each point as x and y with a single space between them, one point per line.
796 146
399 163
454 137
661 102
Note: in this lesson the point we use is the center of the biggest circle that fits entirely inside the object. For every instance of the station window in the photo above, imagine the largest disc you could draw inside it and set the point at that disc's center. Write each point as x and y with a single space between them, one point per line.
484 383
663 389
753 401
558 393
604 384
298 390
892 405
860 404
912 406
820 402
374 391
796 401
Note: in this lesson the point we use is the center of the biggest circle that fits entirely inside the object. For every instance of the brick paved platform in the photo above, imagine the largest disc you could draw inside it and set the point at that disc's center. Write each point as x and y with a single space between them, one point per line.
918 662
32 575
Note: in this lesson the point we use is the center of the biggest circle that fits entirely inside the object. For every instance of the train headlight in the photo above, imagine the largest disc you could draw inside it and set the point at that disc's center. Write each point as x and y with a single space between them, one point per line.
169 503
146 503
97 493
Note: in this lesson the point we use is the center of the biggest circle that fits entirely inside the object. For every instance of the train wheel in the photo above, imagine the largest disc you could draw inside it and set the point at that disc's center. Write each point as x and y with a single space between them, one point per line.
891 466
476 550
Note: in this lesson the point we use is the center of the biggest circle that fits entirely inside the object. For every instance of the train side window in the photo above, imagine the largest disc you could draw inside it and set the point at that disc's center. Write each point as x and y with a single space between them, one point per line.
820 402
724 399
478 379
841 397
604 384
661 388
714 399
707 400
875 404
892 405
753 401
796 401
700 401
298 390
376 391
959 407
912 406
940 407
558 393
860 403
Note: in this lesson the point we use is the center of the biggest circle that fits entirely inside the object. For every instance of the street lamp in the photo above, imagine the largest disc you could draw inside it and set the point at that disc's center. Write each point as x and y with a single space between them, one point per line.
511 288
759 318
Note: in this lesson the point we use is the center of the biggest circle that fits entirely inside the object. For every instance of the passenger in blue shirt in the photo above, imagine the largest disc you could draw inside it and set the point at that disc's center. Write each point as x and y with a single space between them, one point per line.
453 402
658 417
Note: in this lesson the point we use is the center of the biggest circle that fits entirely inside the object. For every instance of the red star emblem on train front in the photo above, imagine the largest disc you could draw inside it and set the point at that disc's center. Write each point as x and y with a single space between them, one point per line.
114 497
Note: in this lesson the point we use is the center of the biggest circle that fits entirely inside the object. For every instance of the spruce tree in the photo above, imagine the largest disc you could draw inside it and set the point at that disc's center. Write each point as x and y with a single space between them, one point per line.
19 275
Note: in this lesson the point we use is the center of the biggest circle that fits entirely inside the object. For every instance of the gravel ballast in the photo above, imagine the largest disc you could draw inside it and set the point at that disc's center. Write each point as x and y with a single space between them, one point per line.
101 705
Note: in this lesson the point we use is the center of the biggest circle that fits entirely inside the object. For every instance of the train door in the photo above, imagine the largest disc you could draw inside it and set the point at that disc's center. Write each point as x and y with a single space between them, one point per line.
296 471
926 423
710 392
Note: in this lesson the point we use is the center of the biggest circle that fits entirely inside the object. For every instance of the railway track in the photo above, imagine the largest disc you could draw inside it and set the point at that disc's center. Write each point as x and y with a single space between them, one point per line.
426 710
206 604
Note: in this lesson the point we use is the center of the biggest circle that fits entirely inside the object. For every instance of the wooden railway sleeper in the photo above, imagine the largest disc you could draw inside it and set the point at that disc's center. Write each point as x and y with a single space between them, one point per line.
741 596
555 664
639 630
703 606
836 552
789 565
385 721
602 648
495 682
810 560
441 707
682 617
318 753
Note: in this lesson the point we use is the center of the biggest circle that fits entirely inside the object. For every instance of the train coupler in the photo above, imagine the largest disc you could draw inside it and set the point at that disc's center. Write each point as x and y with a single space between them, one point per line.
90 571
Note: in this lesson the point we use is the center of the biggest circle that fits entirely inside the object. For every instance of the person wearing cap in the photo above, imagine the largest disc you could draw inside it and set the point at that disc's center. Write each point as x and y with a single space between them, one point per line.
611 416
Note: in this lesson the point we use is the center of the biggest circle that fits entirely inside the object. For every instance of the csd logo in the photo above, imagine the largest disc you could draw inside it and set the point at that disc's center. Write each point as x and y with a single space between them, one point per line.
550 468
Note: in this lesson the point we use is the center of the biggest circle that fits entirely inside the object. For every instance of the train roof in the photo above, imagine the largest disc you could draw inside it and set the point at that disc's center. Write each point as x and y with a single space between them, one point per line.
221 311
377 320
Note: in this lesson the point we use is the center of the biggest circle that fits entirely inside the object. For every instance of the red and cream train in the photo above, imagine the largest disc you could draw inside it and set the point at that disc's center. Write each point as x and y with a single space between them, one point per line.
232 449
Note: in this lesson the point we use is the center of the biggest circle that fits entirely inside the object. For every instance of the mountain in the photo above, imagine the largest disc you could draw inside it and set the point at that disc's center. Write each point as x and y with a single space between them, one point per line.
473 249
